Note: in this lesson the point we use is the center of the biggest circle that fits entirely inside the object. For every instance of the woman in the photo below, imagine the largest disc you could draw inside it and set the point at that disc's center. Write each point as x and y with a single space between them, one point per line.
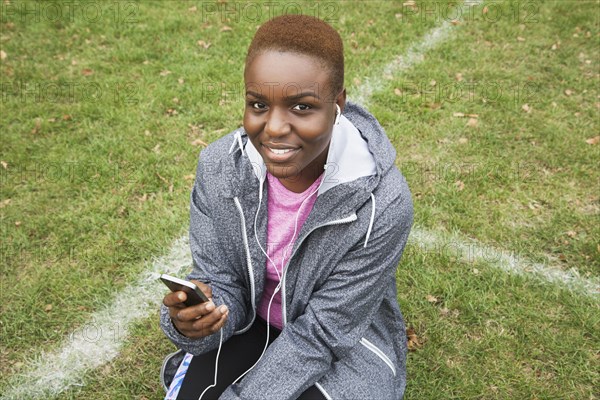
298 222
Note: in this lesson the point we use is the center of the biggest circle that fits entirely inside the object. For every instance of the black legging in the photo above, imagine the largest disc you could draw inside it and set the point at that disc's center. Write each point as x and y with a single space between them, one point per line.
238 354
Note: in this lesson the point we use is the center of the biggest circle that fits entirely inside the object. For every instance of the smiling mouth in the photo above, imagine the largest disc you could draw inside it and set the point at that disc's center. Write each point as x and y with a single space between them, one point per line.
282 154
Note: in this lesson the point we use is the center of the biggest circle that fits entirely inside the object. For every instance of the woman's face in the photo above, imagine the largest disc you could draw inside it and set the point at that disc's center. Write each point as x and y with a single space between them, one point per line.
289 115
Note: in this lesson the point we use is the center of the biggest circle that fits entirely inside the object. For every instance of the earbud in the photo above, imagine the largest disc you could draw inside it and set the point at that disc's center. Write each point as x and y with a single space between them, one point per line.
338 112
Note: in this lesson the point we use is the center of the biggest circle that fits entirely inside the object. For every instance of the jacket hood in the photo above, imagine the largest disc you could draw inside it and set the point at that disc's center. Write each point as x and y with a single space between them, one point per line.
359 147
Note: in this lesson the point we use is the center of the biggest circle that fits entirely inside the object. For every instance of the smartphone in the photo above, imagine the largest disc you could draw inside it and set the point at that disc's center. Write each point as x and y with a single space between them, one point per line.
193 292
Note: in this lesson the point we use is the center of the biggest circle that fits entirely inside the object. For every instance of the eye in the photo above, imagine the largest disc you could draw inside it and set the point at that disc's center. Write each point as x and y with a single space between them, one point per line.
302 107
256 105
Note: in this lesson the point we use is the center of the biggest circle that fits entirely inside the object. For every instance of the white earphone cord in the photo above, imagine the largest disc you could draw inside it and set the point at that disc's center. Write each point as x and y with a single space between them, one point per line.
277 288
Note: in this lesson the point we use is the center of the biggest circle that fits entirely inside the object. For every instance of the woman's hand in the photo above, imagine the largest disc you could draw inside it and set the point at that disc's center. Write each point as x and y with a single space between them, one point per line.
196 321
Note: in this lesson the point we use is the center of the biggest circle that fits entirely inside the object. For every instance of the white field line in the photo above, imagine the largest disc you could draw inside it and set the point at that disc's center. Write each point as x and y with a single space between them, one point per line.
471 251
100 340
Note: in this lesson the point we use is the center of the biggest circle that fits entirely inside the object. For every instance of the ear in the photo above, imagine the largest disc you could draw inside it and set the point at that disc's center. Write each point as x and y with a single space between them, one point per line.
340 100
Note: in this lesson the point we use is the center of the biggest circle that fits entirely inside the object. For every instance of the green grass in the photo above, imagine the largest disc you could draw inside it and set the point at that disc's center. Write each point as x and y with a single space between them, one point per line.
97 185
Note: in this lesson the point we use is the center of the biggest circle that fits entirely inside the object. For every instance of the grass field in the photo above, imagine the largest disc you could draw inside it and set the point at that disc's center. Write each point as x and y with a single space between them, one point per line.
106 106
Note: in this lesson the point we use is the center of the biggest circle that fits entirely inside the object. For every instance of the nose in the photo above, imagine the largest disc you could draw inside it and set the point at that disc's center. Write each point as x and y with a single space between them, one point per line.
277 123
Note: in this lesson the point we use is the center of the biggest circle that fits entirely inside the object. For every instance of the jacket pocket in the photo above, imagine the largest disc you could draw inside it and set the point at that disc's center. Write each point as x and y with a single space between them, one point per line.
169 368
379 354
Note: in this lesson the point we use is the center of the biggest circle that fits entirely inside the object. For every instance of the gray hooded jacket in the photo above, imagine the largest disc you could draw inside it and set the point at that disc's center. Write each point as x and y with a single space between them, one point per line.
343 330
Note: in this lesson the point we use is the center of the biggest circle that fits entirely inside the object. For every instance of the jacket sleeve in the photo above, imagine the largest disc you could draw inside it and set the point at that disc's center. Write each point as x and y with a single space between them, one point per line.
337 314
228 286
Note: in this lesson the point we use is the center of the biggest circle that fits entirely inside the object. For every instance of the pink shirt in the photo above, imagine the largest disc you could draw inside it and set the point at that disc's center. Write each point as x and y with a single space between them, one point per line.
283 205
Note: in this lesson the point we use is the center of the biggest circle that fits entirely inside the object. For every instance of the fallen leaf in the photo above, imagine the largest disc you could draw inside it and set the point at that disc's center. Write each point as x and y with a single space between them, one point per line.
562 257
189 177
475 271
414 342
398 92
73 62
143 198
568 92
225 28
485 10
48 308
520 39
4 164
432 82
171 112
199 142
2 55
17 223
4 203
204 44
147 132
463 140
458 76
180 81
38 125
594 140
458 114
175 100
87 72
165 72
156 149
146 62
193 9
431 299
472 122
554 46
356 81
460 185
444 311
409 3
455 22
571 233
526 108
67 117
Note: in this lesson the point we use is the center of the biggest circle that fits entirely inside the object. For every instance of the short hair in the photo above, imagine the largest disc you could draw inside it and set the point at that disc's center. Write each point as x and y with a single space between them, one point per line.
302 34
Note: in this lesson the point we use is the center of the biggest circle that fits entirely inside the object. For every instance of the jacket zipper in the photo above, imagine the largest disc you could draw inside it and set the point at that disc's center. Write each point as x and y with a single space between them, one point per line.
379 353
248 264
349 218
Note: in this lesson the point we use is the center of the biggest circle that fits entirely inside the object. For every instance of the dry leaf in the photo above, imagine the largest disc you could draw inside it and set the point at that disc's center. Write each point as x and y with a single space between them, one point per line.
458 114
398 92
520 39
146 62
4 164
413 340
562 257
526 108
475 271
180 81
571 233
568 92
2 55
73 62
193 9
455 22
143 198
17 223
147 132
554 46
431 299
472 122
460 185
199 142
175 100
432 82
409 3
594 140
4 203
485 10
156 149
48 307
458 76
356 81
165 72
189 177
67 117
87 72
204 44
463 140
171 112
226 28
